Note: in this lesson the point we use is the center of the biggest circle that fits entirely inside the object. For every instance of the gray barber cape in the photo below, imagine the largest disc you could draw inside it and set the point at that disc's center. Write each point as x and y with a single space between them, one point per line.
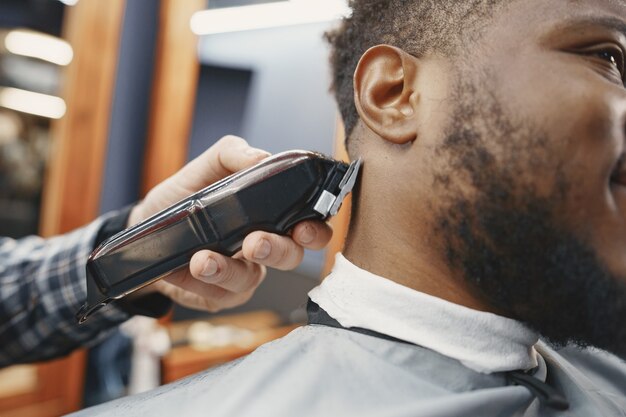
318 370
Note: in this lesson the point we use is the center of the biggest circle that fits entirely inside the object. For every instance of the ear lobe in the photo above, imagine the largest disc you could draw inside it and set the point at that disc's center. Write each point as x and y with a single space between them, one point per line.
385 95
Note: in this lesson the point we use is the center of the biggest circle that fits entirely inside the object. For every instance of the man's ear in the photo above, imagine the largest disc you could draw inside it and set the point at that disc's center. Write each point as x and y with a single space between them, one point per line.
384 93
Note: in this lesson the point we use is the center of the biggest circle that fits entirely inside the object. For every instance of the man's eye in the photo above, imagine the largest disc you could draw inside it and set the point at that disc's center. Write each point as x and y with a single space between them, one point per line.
608 56
614 57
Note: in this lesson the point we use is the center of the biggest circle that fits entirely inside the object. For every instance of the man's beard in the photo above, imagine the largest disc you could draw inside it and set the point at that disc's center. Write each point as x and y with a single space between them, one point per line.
508 239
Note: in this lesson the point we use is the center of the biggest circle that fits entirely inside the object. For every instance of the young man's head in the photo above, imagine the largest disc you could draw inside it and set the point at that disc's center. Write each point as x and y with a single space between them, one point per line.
493 134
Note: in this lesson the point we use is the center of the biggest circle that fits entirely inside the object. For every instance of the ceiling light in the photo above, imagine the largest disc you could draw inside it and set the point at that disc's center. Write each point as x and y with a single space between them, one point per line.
268 15
33 103
39 45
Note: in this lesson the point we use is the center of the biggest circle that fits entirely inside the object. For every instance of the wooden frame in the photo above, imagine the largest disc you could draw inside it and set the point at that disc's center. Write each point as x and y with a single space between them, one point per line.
173 92
74 178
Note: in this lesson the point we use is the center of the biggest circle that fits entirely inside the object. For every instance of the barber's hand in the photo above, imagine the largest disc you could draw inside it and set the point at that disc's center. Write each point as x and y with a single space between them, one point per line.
213 281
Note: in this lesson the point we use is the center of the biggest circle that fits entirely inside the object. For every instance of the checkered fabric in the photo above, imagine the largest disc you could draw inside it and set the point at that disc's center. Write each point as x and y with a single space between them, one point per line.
42 286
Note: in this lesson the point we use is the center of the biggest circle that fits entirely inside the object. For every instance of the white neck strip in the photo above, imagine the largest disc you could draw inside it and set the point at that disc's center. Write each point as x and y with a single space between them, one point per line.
484 342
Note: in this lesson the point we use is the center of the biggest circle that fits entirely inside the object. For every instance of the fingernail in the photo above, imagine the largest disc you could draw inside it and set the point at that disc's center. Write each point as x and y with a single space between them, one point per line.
210 267
307 235
262 249
254 152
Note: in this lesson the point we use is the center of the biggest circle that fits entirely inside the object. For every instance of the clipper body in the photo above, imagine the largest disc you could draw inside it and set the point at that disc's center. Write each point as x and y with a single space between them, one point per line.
272 196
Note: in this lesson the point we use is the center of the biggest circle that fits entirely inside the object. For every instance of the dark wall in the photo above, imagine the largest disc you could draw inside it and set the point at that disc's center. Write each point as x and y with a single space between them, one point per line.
220 106
42 15
131 105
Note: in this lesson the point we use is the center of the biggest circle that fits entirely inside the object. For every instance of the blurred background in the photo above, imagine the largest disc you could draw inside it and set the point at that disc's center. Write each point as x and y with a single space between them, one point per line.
100 101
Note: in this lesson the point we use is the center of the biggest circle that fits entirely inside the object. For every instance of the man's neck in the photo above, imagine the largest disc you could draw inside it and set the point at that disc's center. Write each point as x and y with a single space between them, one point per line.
410 261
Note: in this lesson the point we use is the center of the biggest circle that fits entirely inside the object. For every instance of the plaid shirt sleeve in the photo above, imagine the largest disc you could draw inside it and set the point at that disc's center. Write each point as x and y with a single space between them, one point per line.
42 286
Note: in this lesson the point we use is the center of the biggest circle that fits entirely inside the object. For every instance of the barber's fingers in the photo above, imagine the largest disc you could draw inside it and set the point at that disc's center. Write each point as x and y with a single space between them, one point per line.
230 154
286 252
232 274
279 252
214 282
231 285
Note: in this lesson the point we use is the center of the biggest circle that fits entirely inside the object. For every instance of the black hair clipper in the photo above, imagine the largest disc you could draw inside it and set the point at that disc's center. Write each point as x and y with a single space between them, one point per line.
273 196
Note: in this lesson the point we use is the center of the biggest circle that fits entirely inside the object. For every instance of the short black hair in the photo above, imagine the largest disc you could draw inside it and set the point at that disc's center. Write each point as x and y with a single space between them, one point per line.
415 26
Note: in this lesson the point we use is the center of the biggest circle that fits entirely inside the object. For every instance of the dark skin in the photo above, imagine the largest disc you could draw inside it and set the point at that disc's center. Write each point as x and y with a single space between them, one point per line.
556 65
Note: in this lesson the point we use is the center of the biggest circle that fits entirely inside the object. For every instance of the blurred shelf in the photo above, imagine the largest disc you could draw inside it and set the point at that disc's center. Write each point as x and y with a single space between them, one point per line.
50 408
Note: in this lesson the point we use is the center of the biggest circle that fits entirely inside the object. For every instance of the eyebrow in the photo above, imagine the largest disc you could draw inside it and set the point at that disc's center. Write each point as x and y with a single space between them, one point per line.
612 23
